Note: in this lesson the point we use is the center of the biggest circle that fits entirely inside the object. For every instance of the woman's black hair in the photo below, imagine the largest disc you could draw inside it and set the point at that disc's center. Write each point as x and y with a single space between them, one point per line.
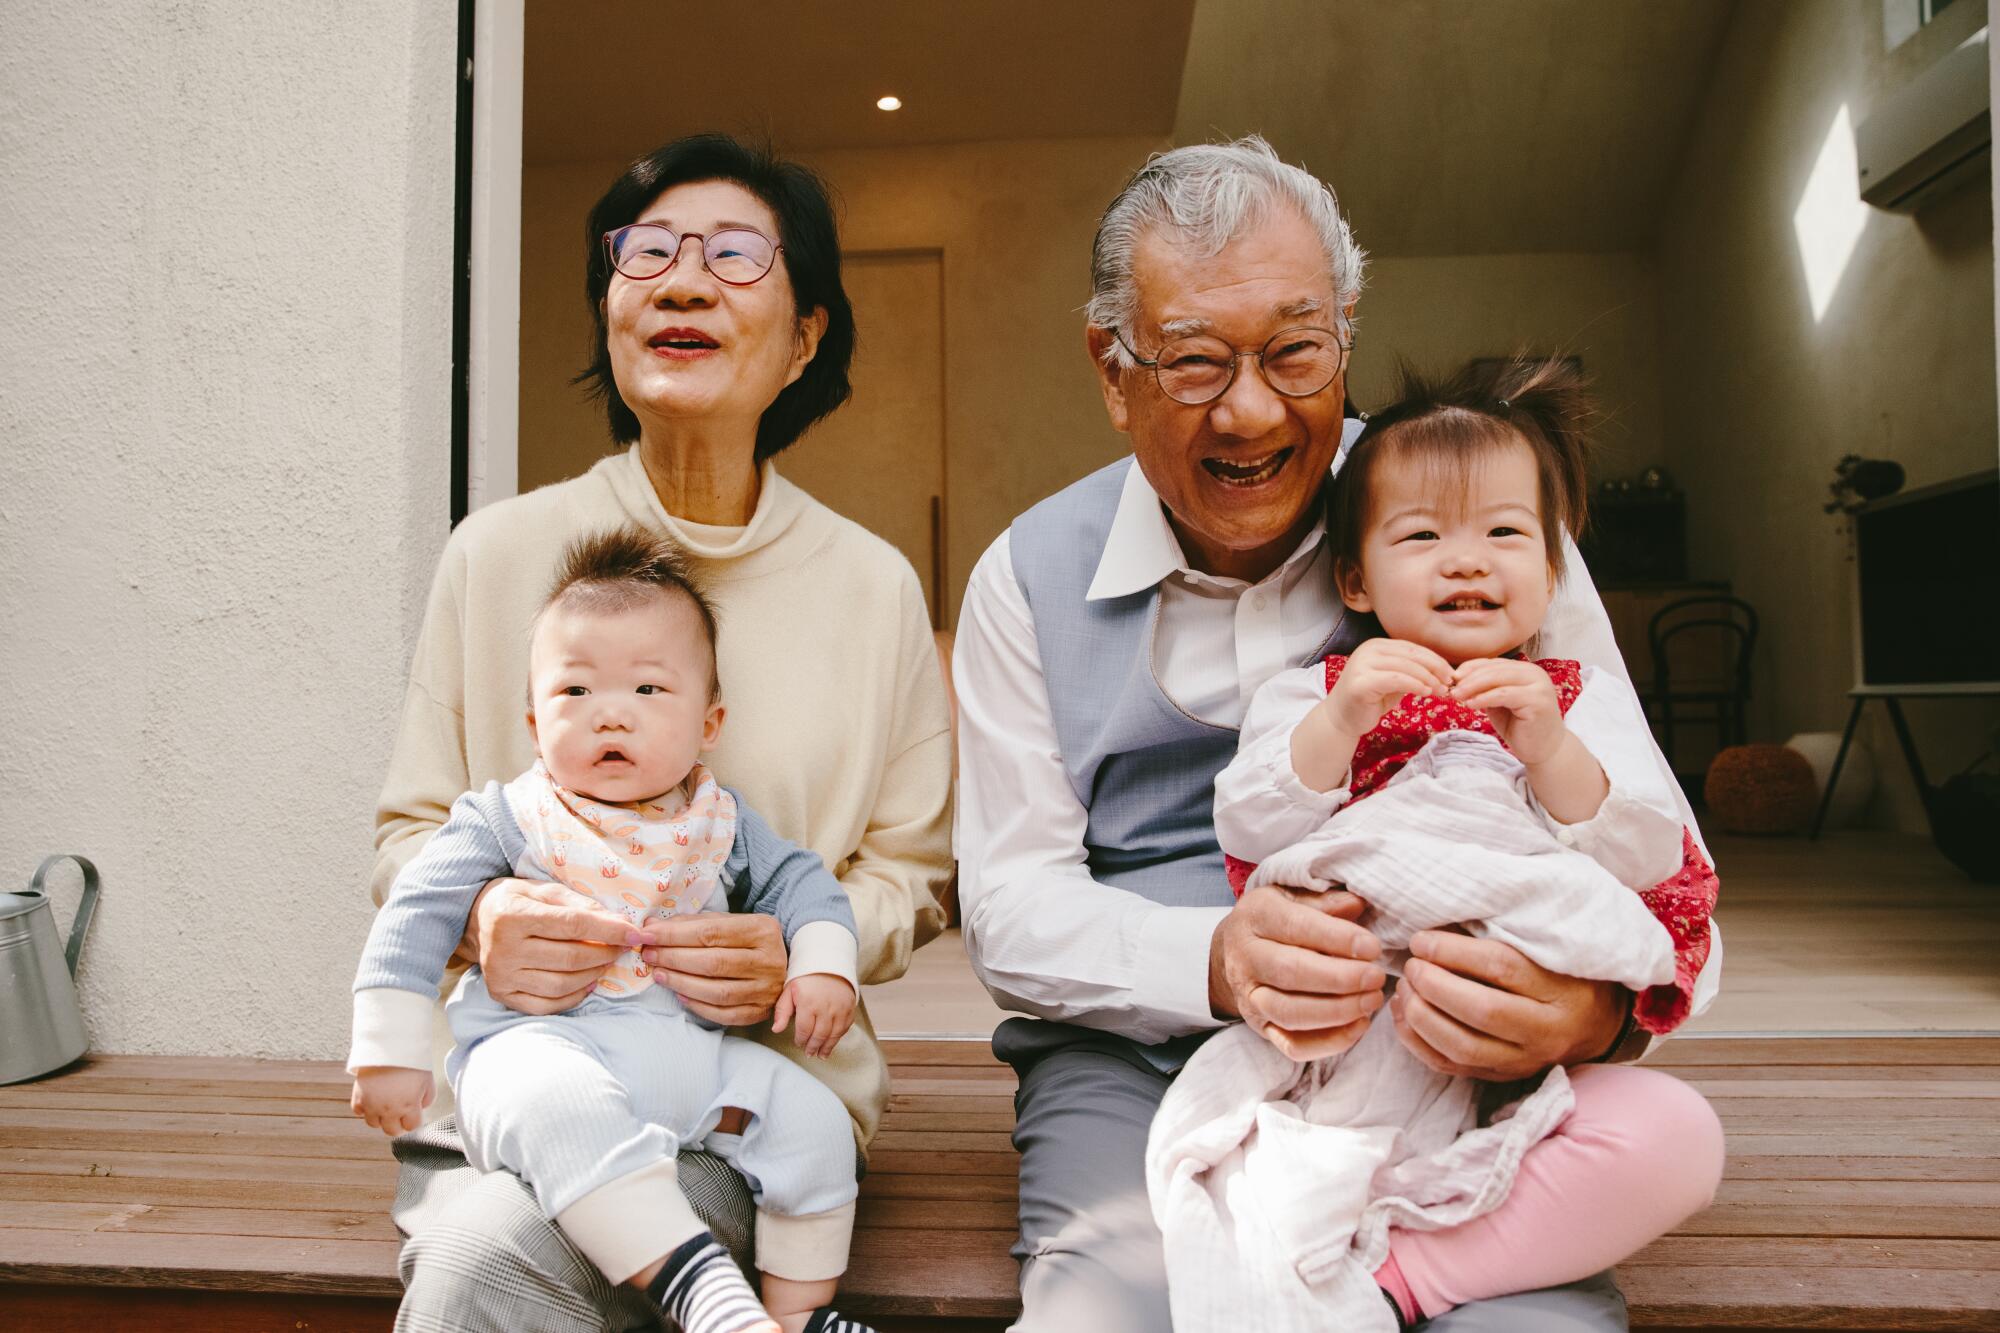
811 257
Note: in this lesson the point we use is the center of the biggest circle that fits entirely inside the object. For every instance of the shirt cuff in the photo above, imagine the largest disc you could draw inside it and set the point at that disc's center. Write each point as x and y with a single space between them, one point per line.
1632 839
823 946
392 1029
1284 780
1173 966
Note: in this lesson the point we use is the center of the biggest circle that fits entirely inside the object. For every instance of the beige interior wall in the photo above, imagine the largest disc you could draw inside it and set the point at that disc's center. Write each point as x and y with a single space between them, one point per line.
1764 397
1014 222
1604 308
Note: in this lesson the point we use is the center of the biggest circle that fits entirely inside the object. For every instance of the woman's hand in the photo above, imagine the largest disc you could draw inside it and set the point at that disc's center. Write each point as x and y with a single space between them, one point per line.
542 946
726 967
1481 1009
1297 970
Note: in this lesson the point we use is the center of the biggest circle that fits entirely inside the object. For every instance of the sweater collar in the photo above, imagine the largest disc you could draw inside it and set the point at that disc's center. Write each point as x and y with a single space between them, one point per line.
779 504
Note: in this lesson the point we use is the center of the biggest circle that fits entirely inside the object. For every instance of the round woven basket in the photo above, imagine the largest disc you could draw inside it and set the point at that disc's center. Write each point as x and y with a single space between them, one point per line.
1760 789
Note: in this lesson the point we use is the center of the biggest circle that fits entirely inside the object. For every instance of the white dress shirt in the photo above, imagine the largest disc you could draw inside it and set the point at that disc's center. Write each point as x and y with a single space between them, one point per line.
1043 937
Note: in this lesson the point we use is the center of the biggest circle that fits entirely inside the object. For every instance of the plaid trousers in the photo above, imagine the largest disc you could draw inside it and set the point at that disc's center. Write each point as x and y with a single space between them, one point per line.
479 1254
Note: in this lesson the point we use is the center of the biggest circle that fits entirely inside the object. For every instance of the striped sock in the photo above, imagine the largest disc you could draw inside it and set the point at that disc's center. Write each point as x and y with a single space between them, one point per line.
701 1289
826 1319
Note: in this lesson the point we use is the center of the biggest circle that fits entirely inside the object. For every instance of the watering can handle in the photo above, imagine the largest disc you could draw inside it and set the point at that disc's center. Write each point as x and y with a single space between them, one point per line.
84 909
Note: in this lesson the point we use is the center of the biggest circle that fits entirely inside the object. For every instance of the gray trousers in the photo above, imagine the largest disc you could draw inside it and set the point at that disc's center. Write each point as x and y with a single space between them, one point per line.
1091 1256
482 1258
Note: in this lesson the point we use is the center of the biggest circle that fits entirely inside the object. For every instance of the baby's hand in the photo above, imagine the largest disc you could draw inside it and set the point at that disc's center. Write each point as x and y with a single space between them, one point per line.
1519 699
825 1007
1377 676
391 1099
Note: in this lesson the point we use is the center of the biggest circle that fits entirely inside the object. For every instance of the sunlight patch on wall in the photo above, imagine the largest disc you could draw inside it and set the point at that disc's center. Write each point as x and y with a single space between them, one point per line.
1830 217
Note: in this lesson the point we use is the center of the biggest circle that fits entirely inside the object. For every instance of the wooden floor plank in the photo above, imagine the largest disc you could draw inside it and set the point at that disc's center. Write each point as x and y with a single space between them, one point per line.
222 1138
161 1311
1819 1252
112 1124
962 1214
1821 1091
193 1166
1750 1296
1840 1051
16 1105
181 1220
1751 1166
976 1104
262 1263
375 1196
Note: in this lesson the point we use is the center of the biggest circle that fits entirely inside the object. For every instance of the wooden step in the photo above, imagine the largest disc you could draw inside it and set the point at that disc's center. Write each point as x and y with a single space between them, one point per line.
1862 1192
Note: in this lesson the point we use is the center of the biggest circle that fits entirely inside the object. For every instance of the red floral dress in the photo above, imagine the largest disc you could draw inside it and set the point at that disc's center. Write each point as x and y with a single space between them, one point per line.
1682 903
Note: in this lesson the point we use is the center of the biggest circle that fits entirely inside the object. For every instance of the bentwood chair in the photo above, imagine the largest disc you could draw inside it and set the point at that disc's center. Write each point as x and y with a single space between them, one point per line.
1701 649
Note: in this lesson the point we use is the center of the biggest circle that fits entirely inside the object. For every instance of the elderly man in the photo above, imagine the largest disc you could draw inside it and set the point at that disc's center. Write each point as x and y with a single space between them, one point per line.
1108 646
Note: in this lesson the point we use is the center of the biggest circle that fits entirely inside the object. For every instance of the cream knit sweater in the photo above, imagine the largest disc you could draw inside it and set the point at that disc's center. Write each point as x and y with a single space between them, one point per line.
836 730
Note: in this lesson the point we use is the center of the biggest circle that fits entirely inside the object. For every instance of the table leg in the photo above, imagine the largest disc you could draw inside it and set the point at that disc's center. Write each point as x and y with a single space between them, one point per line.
1910 754
1839 759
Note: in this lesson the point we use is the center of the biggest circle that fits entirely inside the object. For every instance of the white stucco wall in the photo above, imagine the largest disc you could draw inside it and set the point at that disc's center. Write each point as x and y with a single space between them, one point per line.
225 341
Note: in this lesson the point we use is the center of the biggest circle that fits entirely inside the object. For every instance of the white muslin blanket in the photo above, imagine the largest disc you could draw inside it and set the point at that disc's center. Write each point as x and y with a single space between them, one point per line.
1276 1183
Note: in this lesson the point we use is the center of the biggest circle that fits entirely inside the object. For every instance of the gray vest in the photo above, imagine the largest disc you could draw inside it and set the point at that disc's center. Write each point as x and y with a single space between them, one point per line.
1143 767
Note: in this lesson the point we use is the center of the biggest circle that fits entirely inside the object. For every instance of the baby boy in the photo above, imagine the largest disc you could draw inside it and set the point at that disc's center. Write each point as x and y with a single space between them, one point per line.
591 1106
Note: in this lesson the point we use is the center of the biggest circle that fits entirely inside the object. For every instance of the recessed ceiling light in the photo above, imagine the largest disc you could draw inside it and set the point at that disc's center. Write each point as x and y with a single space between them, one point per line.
890 103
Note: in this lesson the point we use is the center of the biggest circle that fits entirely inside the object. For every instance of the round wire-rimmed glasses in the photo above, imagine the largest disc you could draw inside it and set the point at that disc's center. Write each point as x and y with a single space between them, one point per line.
738 256
1296 363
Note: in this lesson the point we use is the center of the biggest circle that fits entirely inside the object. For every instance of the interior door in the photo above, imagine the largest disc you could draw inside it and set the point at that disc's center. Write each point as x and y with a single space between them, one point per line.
880 459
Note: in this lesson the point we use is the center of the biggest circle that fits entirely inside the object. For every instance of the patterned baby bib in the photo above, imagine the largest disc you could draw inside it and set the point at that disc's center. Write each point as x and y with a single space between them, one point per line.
649 859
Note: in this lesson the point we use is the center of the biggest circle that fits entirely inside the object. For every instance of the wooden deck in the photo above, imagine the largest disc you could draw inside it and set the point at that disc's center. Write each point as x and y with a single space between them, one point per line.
1863 1192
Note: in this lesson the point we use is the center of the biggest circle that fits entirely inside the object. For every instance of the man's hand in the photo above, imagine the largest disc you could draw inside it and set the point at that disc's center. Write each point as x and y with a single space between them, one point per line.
825 1007
1296 969
542 946
1480 1009
391 1099
726 967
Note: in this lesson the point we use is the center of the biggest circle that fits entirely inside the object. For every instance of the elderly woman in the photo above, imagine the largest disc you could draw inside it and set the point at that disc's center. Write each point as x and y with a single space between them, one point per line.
722 333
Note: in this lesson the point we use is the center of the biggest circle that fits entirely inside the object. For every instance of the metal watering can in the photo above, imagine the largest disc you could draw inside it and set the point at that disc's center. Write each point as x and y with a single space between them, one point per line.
41 1027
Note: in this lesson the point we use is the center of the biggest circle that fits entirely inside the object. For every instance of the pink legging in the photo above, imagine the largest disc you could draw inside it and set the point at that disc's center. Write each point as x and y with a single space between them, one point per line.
1641 1153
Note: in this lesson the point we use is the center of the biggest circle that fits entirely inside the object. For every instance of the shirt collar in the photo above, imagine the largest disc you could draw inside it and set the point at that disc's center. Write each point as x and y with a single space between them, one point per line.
1142 550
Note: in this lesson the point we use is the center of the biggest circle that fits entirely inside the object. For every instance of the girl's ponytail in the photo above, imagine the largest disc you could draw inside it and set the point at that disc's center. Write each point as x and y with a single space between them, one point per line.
1544 397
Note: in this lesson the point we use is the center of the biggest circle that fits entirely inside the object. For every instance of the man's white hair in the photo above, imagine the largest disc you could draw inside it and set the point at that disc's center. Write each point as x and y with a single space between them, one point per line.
1206 195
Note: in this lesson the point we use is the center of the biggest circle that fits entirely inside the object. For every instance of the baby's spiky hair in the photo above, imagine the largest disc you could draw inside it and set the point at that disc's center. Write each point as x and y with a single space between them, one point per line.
1448 424
618 569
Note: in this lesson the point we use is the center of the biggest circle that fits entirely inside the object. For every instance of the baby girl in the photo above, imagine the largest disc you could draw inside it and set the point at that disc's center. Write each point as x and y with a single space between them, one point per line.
1468 785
